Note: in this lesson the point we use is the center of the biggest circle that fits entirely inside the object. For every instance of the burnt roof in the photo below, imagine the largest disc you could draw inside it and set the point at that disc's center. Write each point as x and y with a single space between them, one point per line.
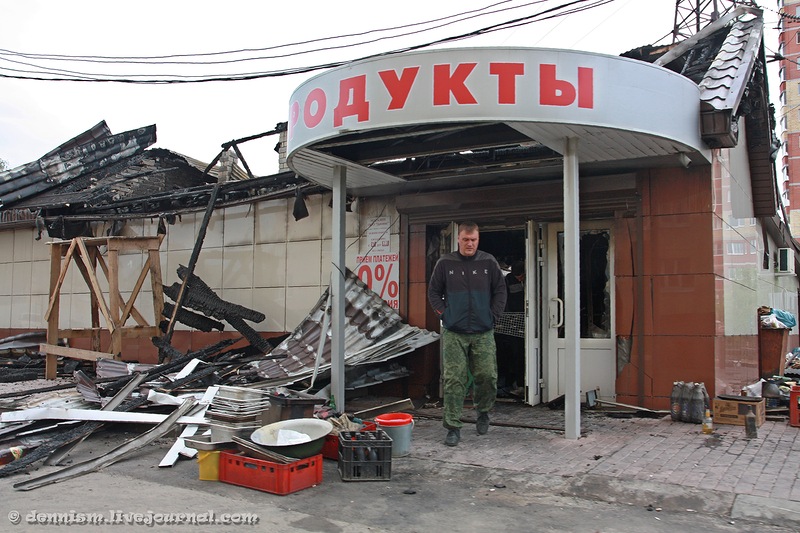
101 176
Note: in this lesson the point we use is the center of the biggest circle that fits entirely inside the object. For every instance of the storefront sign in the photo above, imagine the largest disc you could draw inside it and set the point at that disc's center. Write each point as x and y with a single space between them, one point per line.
513 85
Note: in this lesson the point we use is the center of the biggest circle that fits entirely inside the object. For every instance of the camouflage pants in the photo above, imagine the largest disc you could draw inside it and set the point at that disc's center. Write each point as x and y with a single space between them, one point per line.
468 354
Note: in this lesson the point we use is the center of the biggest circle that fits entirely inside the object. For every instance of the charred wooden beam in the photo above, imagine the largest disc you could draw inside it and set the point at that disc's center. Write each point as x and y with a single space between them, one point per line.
256 340
191 319
216 306
165 350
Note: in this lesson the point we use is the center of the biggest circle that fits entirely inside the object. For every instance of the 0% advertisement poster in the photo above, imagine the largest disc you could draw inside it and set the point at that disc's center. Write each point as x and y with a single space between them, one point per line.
380 273
379 267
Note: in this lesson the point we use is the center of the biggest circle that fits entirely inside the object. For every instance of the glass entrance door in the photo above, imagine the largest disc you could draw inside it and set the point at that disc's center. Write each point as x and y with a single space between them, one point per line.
597 346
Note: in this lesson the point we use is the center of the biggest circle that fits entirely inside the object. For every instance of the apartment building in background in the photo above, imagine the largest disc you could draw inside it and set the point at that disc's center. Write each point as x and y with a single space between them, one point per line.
789 112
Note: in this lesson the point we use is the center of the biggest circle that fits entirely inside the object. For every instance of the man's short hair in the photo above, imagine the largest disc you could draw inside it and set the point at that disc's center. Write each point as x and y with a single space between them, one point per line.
468 227
518 268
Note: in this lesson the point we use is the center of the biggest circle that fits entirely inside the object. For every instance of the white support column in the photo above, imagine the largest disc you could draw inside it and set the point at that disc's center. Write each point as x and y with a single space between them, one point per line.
338 286
572 334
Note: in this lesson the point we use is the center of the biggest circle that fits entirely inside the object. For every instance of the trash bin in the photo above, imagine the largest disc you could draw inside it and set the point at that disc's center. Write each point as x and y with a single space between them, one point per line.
772 347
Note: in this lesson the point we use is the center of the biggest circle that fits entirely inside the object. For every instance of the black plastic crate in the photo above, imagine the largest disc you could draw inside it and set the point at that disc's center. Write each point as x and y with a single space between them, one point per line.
365 455
287 408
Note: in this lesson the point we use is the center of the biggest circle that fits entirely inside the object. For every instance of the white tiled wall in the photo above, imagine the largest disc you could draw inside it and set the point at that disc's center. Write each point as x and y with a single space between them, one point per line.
237 267
253 255
7 246
269 265
5 311
6 278
239 226
272 221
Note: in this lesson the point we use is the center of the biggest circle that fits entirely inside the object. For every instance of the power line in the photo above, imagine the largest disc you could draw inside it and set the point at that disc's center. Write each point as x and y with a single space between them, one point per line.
150 60
560 10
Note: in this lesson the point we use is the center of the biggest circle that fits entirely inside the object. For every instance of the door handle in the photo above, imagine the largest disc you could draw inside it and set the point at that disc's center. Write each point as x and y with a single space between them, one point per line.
557 314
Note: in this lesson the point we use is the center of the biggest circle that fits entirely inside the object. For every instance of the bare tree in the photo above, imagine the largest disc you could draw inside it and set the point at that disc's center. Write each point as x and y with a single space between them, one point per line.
3 164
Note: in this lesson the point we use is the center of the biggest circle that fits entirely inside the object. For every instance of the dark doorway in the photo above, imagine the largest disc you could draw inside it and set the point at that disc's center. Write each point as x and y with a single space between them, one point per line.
508 247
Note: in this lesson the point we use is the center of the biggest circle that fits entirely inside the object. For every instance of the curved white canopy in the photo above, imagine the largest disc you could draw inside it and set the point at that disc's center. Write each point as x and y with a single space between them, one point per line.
618 108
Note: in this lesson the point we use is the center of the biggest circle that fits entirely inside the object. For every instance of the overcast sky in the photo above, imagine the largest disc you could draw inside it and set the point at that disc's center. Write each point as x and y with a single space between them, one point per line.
195 119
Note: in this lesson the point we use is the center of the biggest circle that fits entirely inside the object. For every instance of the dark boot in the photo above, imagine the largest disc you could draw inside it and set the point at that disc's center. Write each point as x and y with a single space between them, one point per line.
483 423
453 436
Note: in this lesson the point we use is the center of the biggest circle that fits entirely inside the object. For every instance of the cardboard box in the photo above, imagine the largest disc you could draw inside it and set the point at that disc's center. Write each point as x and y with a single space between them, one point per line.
730 411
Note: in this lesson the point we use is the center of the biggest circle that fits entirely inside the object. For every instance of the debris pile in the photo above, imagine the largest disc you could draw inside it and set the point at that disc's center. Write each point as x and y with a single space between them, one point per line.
185 384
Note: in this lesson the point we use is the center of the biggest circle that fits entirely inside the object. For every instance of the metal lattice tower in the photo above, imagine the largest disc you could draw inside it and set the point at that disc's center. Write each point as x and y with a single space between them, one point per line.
692 15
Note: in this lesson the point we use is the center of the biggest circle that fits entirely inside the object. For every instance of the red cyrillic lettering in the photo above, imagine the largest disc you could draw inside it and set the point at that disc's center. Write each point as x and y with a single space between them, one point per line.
445 83
506 80
352 100
553 91
398 87
585 87
294 116
313 116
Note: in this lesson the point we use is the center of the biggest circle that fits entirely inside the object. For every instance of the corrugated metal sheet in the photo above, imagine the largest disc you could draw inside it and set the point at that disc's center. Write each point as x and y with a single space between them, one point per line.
99 176
725 81
147 174
61 167
95 133
374 332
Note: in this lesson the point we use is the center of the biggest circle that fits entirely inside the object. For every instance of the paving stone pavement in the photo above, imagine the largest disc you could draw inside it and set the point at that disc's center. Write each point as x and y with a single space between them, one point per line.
643 458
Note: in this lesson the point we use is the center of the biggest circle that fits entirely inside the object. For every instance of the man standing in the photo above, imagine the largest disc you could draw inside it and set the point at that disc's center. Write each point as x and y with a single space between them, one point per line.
468 293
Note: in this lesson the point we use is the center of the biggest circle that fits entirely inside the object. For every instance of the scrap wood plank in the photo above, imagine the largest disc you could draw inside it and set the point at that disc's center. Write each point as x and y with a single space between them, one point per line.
393 407
74 353
128 309
634 407
56 289
120 452
94 283
52 351
129 332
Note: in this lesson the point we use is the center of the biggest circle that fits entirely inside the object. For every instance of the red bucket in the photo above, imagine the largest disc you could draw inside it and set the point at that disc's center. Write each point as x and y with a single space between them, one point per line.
398 427
394 419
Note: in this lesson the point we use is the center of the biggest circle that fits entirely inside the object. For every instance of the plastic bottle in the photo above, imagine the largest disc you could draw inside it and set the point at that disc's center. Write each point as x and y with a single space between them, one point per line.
12 453
750 428
675 401
706 397
697 406
708 423
686 402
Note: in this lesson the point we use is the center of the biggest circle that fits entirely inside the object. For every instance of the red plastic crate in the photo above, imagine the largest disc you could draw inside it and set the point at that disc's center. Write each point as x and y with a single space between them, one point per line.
794 406
330 450
267 476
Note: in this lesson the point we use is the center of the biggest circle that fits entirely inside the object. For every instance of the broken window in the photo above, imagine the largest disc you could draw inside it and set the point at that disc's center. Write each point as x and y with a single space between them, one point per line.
595 310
